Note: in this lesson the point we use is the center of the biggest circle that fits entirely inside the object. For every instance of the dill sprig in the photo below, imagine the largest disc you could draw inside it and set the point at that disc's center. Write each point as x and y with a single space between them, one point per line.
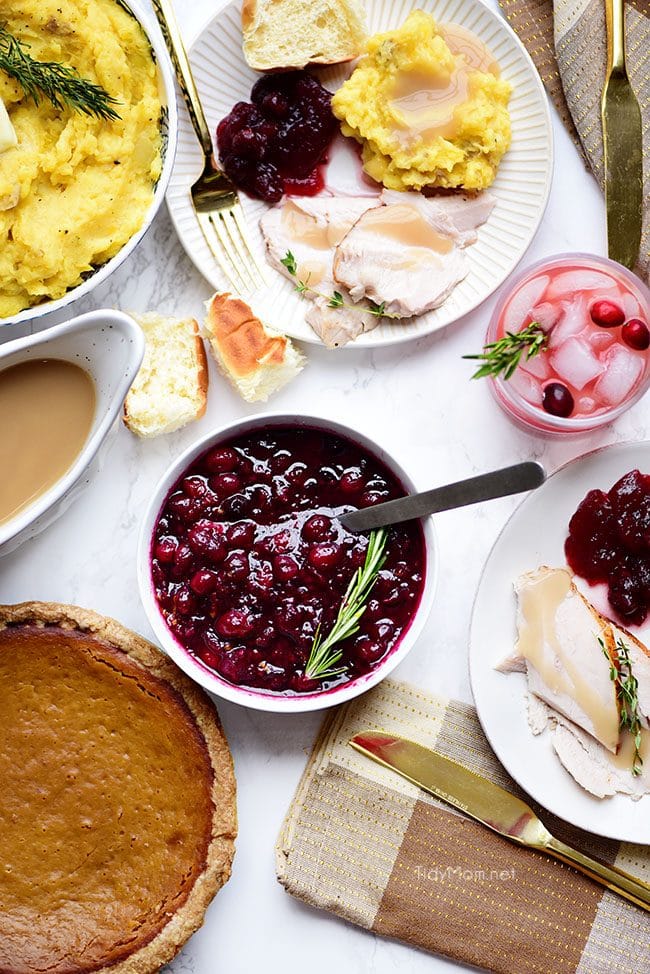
627 692
325 656
504 355
335 299
63 86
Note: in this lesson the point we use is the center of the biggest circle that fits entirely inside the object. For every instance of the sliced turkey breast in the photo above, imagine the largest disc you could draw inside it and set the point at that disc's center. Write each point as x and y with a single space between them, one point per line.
457 215
407 257
395 257
567 649
311 228
538 714
338 326
597 770
569 653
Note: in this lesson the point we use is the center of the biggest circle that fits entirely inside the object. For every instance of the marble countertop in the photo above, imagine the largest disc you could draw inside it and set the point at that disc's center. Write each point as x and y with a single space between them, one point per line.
417 400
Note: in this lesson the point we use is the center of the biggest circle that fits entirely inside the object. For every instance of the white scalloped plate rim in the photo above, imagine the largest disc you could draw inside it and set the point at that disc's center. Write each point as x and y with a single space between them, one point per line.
522 185
500 699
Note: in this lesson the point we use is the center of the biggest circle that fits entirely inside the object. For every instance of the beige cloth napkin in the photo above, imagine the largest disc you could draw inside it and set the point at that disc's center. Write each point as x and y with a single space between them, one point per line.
567 41
365 844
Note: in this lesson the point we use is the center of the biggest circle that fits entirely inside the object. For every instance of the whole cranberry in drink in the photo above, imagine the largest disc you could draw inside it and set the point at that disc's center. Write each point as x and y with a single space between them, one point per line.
557 400
581 324
607 314
636 334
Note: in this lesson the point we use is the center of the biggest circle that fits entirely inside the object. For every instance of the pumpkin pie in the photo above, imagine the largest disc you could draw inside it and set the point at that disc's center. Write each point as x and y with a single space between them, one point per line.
117 803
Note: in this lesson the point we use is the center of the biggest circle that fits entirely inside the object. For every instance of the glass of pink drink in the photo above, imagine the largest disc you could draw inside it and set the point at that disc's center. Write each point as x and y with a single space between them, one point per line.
595 362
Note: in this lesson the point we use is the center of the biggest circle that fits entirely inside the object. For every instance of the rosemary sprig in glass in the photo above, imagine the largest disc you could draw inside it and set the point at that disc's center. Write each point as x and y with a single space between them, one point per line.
60 84
326 654
627 692
503 356
334 300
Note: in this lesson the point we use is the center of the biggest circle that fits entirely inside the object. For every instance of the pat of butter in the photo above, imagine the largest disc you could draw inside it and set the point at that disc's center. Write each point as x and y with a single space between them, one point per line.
8 137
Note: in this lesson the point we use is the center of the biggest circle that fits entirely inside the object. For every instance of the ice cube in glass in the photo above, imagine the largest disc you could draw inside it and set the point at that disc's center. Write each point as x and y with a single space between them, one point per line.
580 279
572 321
519 308
575 363
623 369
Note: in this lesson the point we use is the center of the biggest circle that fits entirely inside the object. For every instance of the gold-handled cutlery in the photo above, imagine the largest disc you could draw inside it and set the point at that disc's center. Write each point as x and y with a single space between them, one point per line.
623 146
491 805
214 196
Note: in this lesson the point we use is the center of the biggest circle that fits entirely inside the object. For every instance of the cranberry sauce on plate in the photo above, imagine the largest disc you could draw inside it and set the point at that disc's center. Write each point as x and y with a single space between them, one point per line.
249 559
609 541
278 142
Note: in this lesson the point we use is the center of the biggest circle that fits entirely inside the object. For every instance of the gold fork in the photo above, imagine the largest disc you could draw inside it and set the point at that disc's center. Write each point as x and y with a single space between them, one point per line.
214 197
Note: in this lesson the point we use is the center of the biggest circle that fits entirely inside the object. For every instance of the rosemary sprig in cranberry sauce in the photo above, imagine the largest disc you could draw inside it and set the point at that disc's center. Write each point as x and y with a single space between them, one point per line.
325 652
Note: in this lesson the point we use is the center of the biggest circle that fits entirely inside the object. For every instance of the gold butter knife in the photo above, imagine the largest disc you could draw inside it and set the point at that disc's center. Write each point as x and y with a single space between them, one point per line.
491 805
623 146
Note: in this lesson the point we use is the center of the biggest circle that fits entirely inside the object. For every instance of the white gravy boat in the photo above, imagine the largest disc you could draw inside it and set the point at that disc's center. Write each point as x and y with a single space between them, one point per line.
109 346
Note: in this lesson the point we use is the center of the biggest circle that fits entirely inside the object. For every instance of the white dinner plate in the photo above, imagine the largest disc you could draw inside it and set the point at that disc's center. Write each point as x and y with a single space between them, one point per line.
535 536
521 187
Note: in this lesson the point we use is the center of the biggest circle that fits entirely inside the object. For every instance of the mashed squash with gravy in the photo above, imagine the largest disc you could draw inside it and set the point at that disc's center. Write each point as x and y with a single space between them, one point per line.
429 107
75 188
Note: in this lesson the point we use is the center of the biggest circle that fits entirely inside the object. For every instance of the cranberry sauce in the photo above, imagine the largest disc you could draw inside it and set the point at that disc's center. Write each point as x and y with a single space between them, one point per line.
277 142
609 541
249 559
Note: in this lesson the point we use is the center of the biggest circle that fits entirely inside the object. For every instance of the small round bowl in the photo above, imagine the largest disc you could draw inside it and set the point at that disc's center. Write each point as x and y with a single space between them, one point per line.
512 402
207 678
169 138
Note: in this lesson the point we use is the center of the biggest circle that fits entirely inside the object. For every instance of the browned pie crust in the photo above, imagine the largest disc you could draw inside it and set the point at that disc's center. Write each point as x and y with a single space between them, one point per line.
183 719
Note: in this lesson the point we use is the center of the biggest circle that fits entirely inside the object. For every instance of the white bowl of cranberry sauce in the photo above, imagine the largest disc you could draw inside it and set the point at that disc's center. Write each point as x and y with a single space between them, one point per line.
595 360
243 562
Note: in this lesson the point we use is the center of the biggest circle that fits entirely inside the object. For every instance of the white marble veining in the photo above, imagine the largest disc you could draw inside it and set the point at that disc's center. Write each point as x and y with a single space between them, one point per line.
418 400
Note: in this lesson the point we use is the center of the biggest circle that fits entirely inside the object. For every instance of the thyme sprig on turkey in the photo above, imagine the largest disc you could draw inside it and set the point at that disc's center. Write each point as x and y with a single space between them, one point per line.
627 692
60 84
335 299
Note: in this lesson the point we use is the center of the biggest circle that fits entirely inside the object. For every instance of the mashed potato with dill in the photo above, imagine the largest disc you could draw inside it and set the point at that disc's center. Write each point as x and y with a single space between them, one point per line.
76 188
428 106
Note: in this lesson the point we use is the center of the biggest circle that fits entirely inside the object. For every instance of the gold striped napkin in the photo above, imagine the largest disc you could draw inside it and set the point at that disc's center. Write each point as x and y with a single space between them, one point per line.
567 41
365 844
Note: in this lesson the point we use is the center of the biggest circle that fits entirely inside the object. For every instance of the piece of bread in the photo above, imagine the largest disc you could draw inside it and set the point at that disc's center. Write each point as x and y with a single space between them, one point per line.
292 33
171 387
257 360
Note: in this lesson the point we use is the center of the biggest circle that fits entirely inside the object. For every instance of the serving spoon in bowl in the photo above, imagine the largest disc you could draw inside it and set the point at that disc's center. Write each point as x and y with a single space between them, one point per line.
486 486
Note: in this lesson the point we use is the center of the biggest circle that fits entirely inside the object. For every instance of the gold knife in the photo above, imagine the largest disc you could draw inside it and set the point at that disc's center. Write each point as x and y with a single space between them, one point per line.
491 805
623 146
